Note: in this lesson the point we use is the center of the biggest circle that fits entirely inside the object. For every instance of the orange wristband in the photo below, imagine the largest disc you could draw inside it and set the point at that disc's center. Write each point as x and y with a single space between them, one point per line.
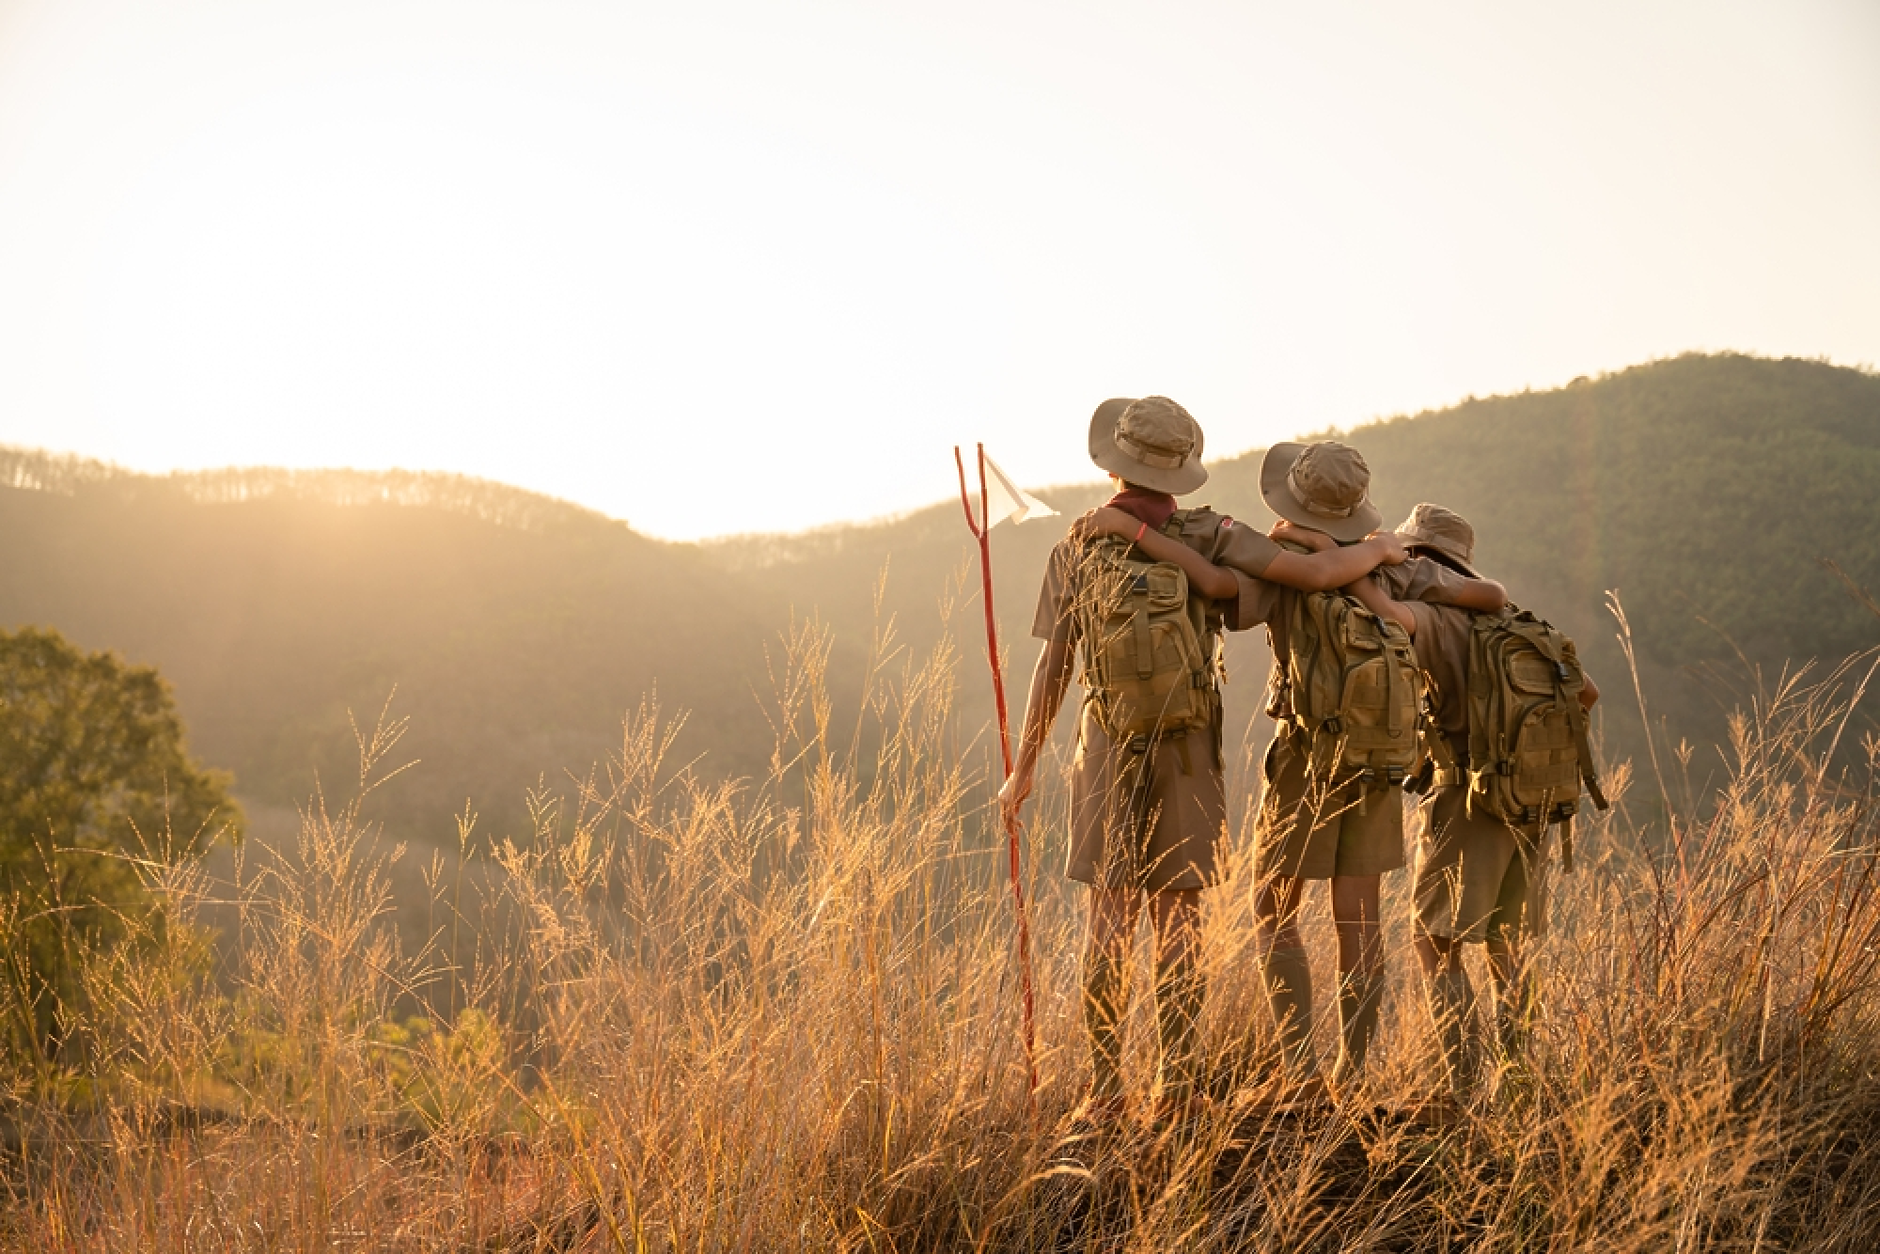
1140 532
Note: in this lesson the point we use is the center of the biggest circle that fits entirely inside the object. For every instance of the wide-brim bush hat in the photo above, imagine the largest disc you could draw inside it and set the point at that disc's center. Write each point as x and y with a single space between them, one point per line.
1443 531
1151 442
1325 486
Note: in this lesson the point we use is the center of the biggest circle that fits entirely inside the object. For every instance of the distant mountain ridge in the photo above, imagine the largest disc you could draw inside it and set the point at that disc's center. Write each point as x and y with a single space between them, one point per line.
519 628
484 499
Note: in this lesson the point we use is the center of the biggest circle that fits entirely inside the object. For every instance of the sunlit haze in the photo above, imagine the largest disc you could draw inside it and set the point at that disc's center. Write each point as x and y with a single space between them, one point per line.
738 266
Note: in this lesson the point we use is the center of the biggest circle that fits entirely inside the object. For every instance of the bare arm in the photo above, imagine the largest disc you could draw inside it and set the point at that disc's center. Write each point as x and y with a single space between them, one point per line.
1050 679
1590 693
1483 595
1370 594
1335 567
1211 581
1325 567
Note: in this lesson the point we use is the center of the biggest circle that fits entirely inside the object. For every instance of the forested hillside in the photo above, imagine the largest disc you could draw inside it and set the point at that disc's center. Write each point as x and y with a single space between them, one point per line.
516 629
1705 490
519 629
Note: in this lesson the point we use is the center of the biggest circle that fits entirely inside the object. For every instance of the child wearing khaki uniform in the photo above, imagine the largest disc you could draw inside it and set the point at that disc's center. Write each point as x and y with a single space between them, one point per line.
1478 881
1340 829
1147 818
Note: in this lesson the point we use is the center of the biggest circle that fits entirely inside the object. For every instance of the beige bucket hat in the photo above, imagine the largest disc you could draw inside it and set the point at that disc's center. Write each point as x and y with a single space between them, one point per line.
1444 531
1325 486
1151 442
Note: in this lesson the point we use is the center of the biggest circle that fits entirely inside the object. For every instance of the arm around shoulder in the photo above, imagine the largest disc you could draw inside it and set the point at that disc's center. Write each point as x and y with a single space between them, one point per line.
1334 567
1482 595
1370 594
1211 581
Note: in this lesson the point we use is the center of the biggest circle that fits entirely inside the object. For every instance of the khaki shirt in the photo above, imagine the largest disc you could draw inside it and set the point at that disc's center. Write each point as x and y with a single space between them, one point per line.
1159 824
1442 645
1220 539
1304 828
1418 580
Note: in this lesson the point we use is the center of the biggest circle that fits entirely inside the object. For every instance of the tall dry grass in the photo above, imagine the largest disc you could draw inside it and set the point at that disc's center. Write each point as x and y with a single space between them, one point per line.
781 1015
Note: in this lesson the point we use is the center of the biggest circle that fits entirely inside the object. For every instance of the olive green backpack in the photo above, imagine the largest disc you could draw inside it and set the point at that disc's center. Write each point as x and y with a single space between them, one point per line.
1350 684
1528 748
1151 663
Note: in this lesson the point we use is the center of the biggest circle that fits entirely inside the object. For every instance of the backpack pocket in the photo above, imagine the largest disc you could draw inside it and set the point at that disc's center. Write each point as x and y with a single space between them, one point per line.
1167 586
1532 674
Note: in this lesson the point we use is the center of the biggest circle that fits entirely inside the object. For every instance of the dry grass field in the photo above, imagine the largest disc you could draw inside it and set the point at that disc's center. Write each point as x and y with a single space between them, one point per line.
781 1015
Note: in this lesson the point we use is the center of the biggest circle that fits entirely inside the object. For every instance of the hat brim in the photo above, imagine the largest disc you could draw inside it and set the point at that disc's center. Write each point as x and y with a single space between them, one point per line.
1280 499
1108 455
1439 553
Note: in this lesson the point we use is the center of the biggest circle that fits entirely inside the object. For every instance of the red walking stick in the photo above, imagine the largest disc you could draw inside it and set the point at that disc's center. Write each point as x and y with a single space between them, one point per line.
982 532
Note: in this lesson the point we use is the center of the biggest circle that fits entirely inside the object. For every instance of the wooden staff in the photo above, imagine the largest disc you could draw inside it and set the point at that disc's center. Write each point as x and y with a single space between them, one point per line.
982 532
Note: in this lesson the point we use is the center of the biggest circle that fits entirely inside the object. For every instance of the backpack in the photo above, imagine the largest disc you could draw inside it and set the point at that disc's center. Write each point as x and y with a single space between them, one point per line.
1528 751
1349 683
1151 662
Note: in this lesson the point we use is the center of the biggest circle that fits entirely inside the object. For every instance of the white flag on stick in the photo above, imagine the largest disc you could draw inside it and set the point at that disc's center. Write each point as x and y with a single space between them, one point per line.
1005 499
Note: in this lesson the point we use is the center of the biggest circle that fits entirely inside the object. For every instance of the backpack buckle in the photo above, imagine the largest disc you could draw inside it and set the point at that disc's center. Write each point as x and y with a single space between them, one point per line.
1138 744
1333 726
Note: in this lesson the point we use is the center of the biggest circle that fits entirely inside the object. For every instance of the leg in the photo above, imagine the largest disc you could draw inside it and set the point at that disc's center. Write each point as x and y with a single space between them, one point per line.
1520 914
1464 867
1113 915
1452 1005
1285 970
1355 901
1515 992
1179 990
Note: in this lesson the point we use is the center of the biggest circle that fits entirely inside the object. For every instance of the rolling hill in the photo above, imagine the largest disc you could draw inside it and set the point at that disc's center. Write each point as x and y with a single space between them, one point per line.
519 629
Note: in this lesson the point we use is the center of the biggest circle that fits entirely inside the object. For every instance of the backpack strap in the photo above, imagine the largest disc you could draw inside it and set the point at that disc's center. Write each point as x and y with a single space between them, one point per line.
1446 771
1576 718
1145 650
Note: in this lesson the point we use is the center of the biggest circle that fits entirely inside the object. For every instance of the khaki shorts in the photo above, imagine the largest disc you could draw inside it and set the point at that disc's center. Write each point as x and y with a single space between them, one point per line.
1476 877
1307 831
1152 829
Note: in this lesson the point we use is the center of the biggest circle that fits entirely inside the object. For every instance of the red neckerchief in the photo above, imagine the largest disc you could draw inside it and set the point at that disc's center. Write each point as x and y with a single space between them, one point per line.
1154 508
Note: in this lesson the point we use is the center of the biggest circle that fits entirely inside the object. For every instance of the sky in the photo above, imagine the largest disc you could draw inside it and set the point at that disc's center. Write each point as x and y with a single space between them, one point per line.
745 265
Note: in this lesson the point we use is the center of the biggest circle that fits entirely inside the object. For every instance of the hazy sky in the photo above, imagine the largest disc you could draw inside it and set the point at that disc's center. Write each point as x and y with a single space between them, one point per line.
717 267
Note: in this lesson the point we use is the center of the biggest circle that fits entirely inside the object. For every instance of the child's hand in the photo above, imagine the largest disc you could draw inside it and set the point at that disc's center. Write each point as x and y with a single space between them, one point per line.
1391 545
1106 521
1305 537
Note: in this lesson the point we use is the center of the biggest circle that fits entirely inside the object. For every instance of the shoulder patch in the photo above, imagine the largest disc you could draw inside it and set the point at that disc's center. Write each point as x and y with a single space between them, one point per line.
1200 521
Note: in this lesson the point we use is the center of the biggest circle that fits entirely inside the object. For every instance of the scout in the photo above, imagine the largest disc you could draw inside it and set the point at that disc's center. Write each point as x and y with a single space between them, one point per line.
1147 800
1481 879
1331 803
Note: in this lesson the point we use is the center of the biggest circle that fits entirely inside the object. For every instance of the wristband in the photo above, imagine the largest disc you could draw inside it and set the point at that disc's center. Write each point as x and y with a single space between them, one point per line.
1140 532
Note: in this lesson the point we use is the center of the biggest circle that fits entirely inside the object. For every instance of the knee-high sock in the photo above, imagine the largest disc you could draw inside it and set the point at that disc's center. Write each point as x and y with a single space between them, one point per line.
1452 1006
1179 991
1287 974
1360 1000
1106 1005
